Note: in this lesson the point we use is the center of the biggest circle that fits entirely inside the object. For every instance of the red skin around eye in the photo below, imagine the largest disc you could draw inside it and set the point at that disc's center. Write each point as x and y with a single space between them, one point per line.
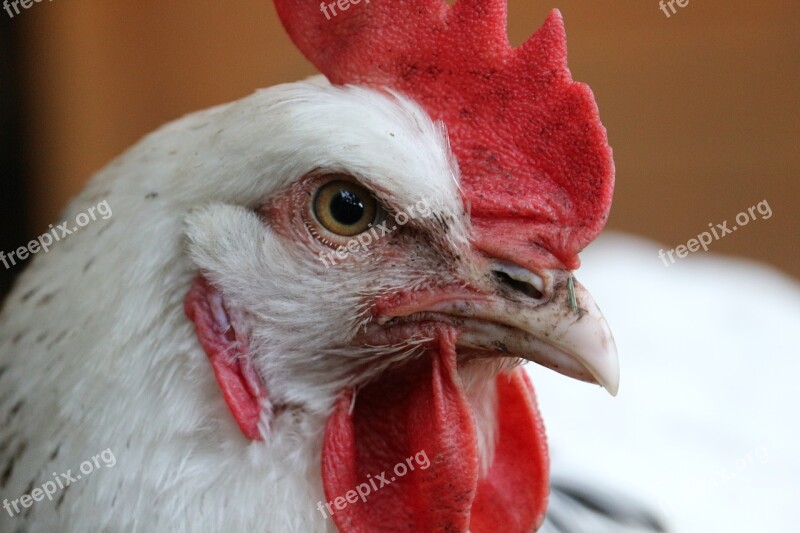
289 214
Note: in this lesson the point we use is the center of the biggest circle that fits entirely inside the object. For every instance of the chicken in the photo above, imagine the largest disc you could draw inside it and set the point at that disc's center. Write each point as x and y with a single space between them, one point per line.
252 362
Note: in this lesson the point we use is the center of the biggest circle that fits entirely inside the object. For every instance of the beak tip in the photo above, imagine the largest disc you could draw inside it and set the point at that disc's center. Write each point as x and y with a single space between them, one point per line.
612 385
607 373
609 381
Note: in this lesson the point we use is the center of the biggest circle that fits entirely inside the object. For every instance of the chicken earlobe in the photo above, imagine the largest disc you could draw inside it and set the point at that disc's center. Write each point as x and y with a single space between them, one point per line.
227 350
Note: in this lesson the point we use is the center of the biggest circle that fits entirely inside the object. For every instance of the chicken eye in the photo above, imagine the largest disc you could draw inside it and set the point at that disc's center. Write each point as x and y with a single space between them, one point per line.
345 208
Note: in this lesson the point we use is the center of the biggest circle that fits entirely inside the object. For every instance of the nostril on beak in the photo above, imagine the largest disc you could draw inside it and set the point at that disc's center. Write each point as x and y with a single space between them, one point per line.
517 285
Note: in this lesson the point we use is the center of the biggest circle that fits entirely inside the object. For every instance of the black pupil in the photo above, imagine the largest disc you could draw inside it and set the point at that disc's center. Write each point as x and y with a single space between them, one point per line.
347 208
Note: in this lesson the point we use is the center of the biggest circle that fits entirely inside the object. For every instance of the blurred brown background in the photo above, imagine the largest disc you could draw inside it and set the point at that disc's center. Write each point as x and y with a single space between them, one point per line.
701 107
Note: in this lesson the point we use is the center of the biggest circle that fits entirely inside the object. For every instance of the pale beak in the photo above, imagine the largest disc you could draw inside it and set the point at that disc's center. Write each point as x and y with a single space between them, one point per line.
549 319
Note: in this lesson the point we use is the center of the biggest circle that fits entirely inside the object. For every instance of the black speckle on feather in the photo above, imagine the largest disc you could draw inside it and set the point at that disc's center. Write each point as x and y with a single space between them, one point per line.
18 337
58 339
105 227
14 410
46 299
4 444
88 265
151 196
117 493
9 468
62 496
27 296
41 337
28 490
55 453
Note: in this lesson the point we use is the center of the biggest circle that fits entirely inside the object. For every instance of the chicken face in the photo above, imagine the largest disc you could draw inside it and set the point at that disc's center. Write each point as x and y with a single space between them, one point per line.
361 293
346 333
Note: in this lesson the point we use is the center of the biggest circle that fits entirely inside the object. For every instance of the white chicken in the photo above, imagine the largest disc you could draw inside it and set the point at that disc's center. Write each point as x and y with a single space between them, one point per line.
238 239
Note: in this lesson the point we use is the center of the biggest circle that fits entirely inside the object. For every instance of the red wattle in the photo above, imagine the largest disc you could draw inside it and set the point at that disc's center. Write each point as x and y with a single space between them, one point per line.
422 408
512 498
418 409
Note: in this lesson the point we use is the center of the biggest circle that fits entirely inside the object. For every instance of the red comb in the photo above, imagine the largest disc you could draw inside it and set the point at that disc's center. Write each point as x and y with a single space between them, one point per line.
536 167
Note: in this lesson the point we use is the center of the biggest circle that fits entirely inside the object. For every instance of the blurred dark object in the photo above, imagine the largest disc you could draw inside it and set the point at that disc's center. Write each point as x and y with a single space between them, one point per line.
13 220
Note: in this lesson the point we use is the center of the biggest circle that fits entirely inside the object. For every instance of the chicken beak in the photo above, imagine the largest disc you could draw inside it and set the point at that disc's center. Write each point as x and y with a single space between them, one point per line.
551 320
